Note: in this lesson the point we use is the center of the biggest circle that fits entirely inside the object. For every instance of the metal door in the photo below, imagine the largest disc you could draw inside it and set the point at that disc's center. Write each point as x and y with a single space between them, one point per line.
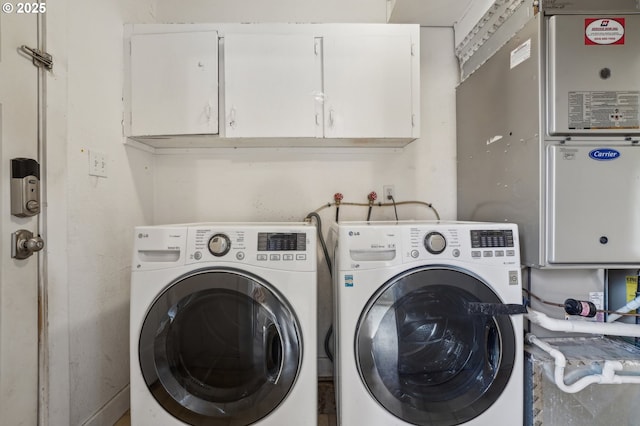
18 278
220 347
421 354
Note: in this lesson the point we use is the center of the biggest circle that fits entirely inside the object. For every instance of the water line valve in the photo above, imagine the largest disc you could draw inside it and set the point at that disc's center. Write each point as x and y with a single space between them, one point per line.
372 197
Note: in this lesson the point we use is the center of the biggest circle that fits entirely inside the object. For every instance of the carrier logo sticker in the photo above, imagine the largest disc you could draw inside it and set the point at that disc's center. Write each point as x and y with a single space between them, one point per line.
604 31
604 154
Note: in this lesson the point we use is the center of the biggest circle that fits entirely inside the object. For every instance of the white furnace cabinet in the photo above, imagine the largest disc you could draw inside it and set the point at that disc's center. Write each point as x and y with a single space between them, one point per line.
297 84
548 132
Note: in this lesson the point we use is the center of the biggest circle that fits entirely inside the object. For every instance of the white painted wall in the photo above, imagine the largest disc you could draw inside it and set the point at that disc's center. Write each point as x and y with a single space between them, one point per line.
91 219
191 11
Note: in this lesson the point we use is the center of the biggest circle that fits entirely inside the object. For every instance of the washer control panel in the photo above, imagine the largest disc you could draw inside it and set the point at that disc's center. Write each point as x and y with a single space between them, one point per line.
490 244
276 247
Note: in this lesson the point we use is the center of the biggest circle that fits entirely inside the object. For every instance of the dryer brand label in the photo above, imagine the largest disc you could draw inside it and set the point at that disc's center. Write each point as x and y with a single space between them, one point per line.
604 154
603 31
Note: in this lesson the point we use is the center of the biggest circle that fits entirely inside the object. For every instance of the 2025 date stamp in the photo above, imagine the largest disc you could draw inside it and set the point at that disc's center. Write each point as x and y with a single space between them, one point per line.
24 8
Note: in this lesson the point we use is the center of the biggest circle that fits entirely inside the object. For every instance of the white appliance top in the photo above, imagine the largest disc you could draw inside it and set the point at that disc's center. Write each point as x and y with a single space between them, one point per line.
367 245
278 246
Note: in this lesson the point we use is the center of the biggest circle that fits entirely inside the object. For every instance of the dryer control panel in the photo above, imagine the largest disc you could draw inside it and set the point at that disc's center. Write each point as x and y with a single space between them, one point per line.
374 245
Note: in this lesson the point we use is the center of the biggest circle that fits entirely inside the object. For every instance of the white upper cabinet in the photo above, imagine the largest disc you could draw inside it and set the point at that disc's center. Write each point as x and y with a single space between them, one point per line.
368 86
271 86
280 85
174 84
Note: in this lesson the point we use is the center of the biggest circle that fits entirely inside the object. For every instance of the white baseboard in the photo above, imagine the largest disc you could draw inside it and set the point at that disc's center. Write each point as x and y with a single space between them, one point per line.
109 414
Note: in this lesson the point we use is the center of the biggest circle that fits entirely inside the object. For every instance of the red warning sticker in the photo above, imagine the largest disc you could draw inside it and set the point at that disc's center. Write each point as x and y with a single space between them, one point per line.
603 31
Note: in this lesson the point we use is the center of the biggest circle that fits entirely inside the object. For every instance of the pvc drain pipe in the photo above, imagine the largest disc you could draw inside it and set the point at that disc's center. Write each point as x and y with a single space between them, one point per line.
591 327
608 375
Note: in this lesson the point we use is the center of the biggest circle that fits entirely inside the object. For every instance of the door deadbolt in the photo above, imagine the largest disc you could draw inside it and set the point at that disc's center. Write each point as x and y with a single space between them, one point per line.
25 187
24 244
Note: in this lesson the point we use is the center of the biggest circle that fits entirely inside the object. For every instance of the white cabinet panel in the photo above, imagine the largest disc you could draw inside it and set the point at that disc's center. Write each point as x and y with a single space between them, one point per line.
368 86
272 84
174 84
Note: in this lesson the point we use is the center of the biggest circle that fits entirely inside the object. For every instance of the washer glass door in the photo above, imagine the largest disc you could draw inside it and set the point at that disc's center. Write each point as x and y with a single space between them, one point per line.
424 357
220 347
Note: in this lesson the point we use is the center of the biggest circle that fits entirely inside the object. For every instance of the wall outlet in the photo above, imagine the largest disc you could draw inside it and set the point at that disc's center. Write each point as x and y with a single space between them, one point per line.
389 192
97 164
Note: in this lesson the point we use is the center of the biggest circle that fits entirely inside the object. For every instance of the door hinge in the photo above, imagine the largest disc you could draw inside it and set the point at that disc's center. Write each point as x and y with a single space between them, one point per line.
40 58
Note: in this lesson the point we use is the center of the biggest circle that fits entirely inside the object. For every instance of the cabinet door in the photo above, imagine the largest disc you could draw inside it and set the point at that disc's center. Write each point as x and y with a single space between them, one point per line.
174 83
367 86
272 86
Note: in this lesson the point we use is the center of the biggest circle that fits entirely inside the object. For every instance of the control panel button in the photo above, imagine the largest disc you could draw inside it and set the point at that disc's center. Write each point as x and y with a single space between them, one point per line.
511 252
435 243
499 253
219 245
262 257
456 253
274 257
487 253
476 253
301 257
287 257
240 255
415 254
197 255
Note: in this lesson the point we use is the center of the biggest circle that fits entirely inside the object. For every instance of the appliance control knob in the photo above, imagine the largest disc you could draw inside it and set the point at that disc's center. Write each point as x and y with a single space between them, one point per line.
219 245
435 242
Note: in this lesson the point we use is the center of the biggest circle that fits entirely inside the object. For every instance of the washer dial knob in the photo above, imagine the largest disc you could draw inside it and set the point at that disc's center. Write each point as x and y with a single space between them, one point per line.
219 245
435 243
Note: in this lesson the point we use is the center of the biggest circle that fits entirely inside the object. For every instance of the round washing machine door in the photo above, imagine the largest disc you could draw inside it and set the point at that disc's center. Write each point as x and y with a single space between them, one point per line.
220 347
423 357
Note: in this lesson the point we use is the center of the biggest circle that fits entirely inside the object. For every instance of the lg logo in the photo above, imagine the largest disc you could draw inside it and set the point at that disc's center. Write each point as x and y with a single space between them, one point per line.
352 233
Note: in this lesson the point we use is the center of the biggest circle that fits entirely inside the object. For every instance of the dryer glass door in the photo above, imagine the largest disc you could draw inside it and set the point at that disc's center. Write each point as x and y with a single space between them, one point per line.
424 357
220 347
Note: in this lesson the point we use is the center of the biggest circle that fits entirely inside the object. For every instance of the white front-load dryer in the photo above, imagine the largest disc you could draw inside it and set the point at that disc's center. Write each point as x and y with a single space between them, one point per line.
419 340
223 325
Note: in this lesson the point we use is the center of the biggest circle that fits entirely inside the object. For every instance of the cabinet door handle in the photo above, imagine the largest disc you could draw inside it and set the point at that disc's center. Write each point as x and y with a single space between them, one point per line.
232 118
207 111
331 118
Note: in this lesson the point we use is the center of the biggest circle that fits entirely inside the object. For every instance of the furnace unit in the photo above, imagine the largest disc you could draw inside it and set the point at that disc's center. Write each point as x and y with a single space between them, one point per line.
548 130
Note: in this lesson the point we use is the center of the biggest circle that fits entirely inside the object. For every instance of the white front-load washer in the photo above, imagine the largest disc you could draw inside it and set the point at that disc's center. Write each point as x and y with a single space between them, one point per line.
223 325
419 340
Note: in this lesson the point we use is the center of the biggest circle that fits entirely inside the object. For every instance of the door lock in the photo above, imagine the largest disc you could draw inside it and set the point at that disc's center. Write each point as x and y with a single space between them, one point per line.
24 244
25 187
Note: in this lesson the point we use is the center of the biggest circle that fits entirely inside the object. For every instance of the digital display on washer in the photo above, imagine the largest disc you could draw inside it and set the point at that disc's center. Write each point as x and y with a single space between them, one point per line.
492 238
276 241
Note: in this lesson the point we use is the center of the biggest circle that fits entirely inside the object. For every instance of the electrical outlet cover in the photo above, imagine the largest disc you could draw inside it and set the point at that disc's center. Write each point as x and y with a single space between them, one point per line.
97 164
